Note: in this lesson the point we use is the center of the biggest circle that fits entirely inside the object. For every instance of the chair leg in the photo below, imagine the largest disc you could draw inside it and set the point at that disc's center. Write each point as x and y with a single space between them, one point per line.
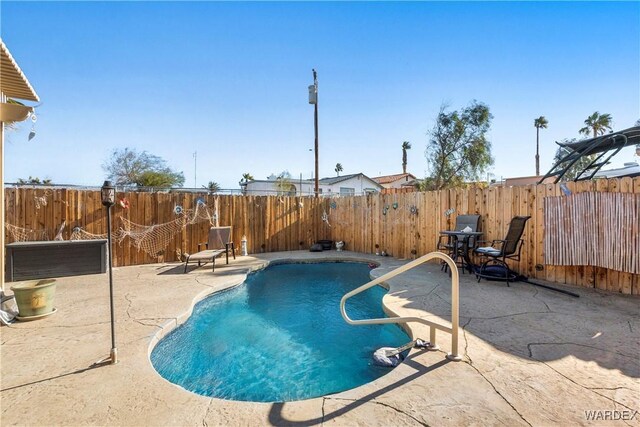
481 270
185 265
213 264
506 274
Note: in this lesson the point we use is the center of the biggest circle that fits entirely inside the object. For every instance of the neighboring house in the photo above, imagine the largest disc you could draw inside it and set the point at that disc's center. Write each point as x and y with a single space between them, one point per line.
348 185
520 181
354 184
394 181
630 169
271 186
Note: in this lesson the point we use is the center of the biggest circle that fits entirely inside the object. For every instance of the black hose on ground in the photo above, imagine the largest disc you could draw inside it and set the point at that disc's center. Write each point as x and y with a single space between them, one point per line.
551 288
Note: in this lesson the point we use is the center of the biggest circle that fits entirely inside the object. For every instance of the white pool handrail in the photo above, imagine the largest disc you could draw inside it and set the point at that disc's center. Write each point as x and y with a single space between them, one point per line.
453 330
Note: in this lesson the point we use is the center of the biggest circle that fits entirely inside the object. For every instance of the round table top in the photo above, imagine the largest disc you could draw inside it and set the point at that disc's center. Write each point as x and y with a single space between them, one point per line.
461 233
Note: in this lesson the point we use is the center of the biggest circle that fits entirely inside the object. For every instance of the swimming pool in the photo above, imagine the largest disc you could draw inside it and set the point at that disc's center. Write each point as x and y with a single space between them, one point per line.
280 337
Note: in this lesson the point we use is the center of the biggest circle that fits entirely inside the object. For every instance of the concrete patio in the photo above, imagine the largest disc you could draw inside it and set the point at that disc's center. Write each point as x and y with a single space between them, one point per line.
530 356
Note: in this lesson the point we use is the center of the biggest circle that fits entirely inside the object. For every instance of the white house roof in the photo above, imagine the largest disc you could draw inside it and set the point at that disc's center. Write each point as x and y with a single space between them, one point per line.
386 179
337 179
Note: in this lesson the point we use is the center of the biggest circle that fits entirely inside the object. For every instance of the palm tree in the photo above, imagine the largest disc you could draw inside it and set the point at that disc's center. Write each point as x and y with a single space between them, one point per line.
540 123
246 177
598 124
212 186
338 168
406 145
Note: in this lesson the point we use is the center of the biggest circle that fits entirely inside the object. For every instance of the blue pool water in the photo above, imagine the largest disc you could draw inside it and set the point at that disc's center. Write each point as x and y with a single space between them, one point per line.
280 337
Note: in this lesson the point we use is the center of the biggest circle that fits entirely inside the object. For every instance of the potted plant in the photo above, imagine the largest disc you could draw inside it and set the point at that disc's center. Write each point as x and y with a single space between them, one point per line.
34 297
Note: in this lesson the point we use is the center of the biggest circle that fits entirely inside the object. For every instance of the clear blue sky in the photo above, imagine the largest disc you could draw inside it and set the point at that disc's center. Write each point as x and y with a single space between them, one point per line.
229 80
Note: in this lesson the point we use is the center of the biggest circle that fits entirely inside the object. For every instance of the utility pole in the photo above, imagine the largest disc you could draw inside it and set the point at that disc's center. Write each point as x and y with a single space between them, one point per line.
195 169
313 99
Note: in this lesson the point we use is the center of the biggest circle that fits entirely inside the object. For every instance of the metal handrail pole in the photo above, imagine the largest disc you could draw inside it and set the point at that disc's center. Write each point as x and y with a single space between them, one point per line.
455 319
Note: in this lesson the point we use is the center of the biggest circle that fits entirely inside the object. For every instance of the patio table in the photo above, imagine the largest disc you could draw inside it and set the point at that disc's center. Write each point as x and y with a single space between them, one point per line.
462 251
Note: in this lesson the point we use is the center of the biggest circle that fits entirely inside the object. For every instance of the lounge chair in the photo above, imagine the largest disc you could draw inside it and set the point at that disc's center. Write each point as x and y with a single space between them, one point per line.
495 267
219 242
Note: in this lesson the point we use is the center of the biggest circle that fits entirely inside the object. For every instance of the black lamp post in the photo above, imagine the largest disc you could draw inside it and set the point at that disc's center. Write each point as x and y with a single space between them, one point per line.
313 99
108 192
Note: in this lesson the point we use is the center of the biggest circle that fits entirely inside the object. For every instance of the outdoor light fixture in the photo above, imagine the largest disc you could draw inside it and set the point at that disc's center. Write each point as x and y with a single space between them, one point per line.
108 192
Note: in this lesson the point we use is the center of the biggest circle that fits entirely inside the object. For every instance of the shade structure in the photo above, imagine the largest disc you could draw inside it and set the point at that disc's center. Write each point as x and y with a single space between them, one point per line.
604 147
13 82
13 85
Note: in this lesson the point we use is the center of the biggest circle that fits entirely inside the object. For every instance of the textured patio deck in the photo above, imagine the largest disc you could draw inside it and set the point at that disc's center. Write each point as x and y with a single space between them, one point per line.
530 356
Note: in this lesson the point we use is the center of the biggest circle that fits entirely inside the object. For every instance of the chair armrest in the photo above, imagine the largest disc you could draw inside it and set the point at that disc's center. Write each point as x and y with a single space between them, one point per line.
496 242
491 242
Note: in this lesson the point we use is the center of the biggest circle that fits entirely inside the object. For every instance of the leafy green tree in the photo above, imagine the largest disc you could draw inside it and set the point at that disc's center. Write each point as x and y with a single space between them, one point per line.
458 150
338 168
539 123
597 124
406 145
33 181
129 167
159 179
212 187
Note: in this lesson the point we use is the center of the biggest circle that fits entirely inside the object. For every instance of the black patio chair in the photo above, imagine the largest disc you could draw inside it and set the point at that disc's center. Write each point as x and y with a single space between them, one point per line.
450 245
500 251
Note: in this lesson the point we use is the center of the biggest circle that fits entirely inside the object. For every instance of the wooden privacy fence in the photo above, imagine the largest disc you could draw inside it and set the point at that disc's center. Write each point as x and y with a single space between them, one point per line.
270 223
405 225
408 225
